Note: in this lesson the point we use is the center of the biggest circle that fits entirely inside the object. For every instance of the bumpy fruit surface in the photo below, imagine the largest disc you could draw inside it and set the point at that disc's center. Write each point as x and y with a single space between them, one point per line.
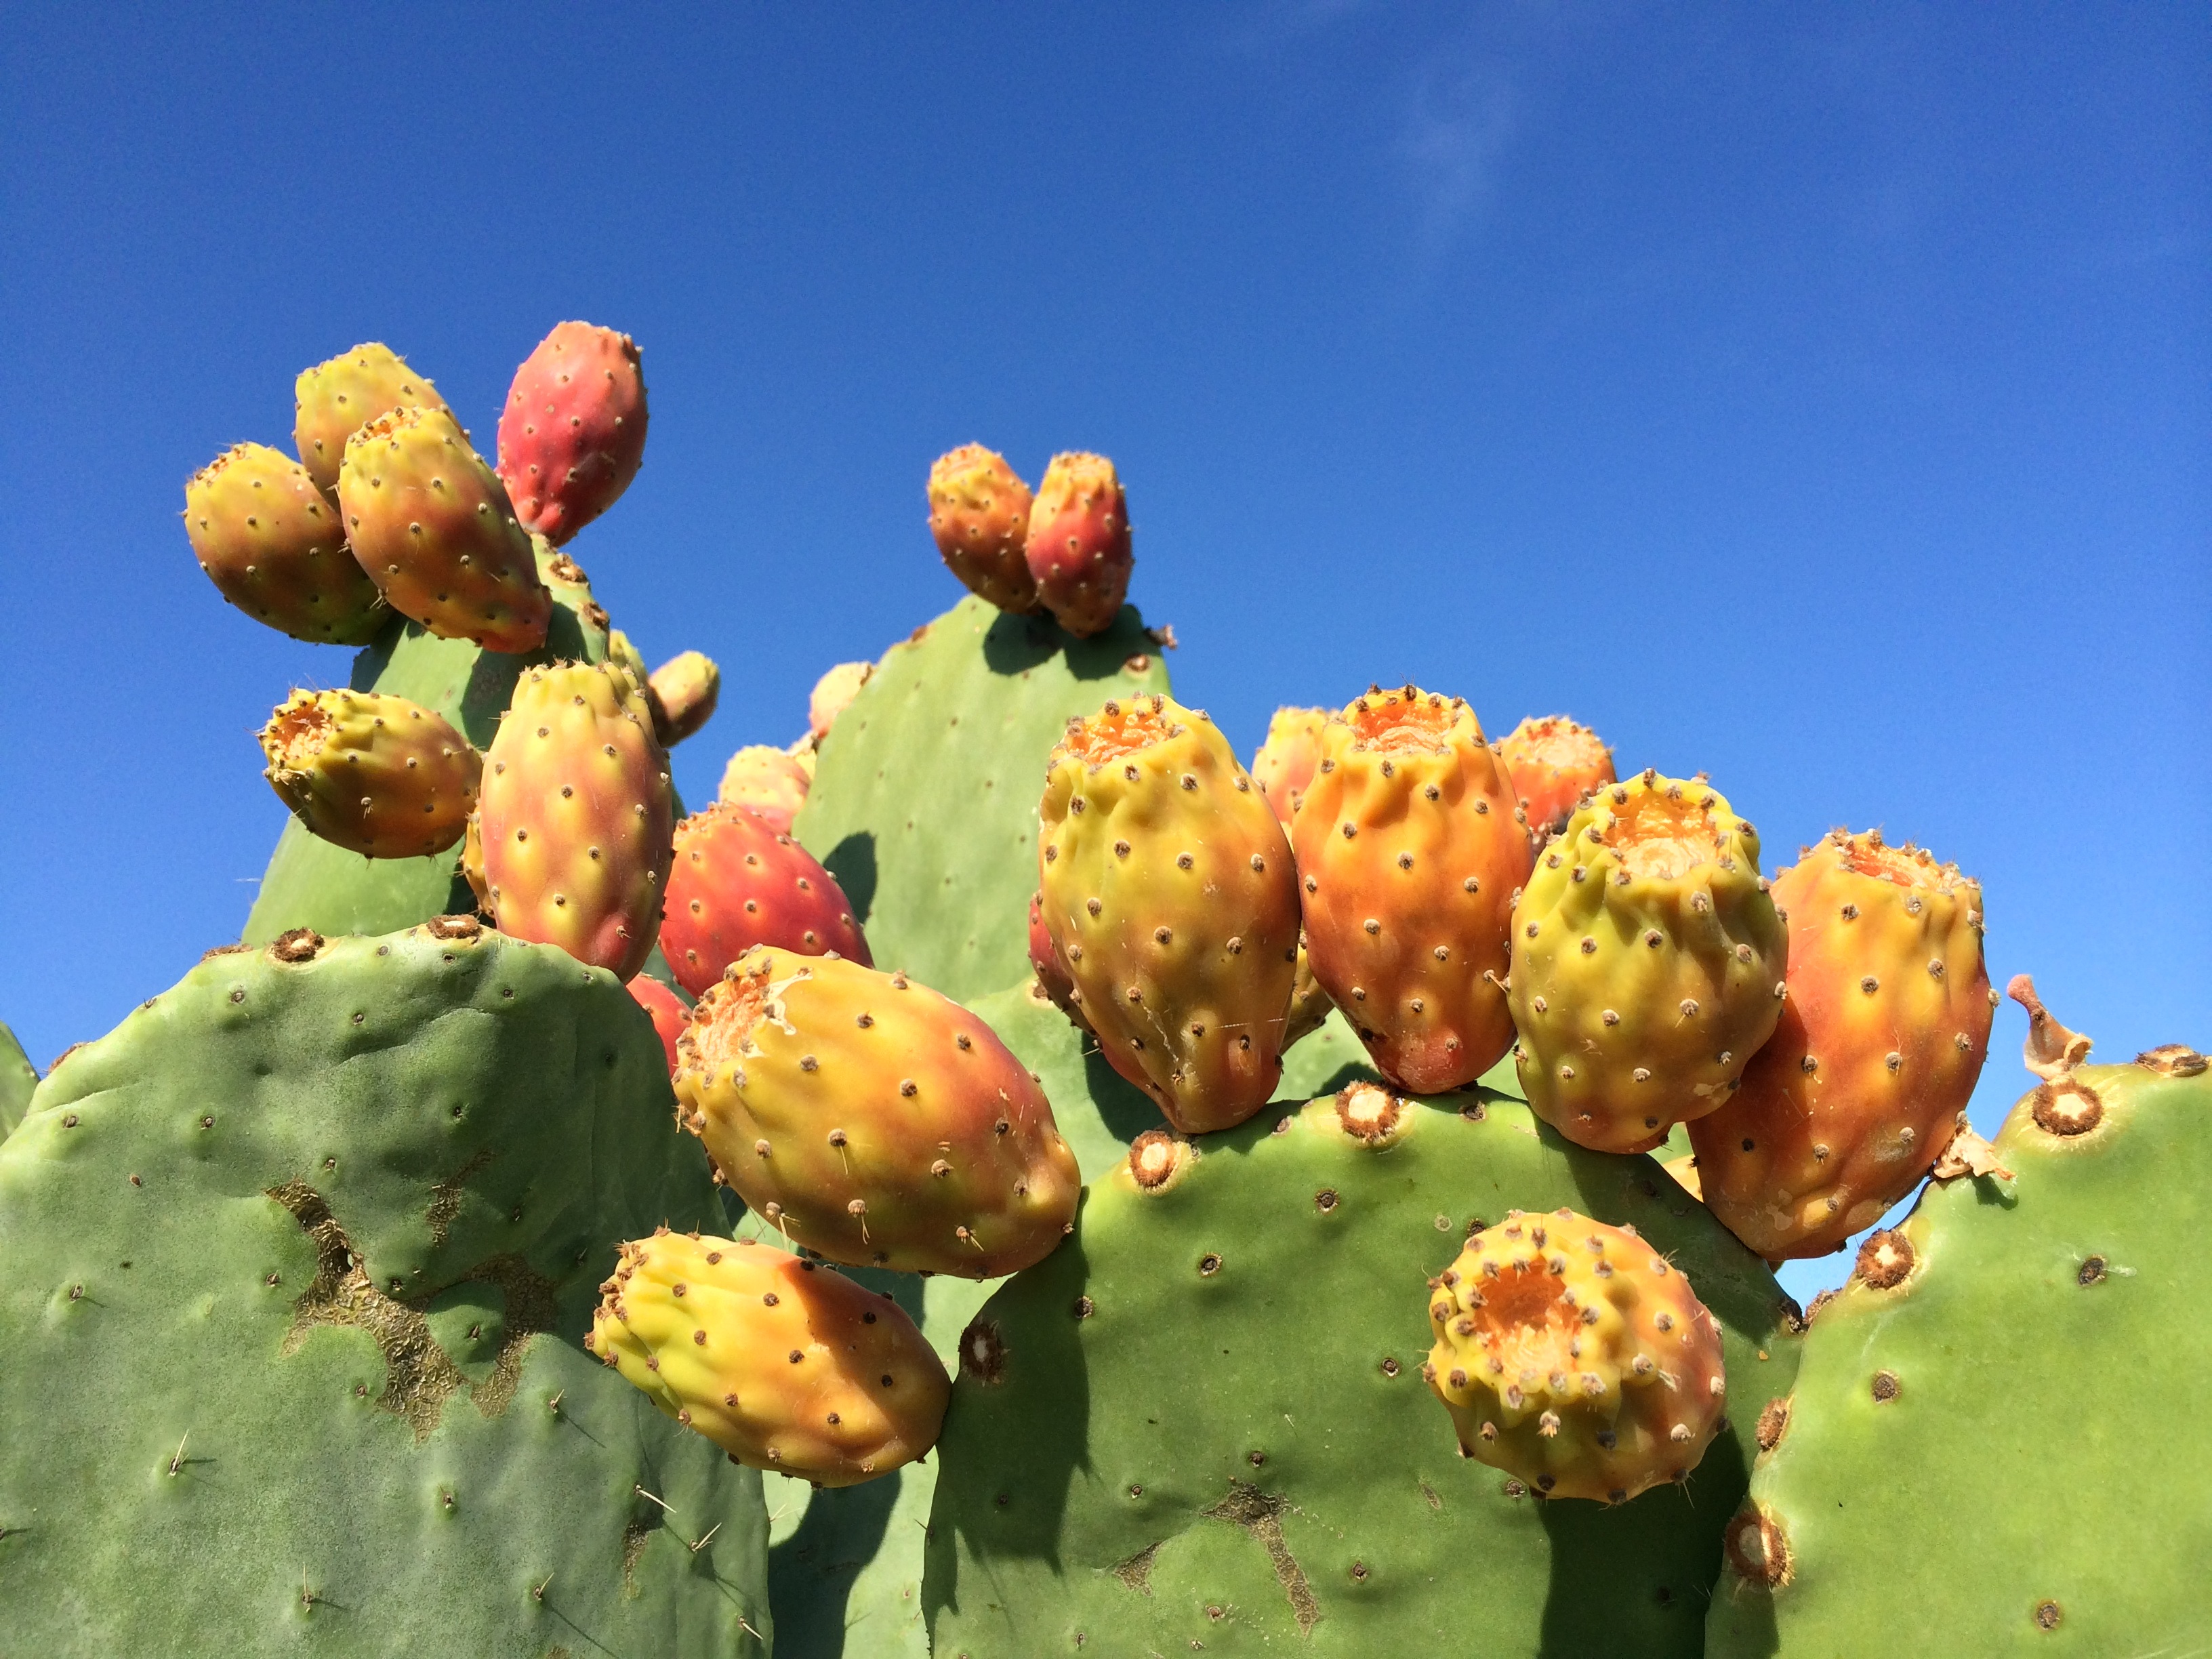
737 882
576 820
979 512
770 780
377 775
1285 765
1079 544
670 1012
1410 855
266 536
572 435
782 1363
471 862
683 692
1881 1038
333 400
433 528
1569 1355
1052 975
1647 963
833 694
1310 1003
869 1119
1553 762
1169 892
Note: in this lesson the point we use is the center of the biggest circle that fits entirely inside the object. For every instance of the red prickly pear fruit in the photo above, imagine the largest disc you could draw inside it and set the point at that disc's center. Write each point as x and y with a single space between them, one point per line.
268 539
873 1121
1410 857
670 1012
771 781
1285 765
433 528
739 882
335 399
376 775
1052 975
1553 764
1881 1039
573 433
683 692
979 512
576 817
1078 542
833 694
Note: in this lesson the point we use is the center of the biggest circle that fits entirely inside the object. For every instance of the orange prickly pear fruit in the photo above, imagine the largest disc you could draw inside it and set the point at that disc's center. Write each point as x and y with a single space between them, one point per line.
376 775
572 435
1570 1354
1078 542
784 1363
770 780
1168 892
1881 1037
1285 765
737 882
271 541
1410 856
333 400
833 694
1052 975
872 1120
978 514
1553 764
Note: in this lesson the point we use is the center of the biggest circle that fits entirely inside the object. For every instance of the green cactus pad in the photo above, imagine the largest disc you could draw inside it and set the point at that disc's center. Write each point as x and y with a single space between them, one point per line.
924 804
1990 1426
1203 1421
298 1259
18 1077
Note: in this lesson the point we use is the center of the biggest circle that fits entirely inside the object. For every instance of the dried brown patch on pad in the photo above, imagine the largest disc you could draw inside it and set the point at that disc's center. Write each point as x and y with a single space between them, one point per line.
1758 1548
2171 1059
1260 1513
2065 1108
1157 1159
1369 1113
1885 1386
1885 1259
296 945
1772 1421
453 928
983 1352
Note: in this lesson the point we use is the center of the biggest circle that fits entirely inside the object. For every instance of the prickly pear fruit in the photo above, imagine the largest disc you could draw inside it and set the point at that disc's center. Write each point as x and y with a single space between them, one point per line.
333 400
271 542
576 818
573 433
1553 764
833 693
622 649
1078 542
780 1362
1410 856
376 775
1310 1003
978 512
433 528
1052 977
1569 1355
872 1120
769 780
471 861
1647 963
737 882
682 693
669 1011
1881 1038
1169 892
1285 765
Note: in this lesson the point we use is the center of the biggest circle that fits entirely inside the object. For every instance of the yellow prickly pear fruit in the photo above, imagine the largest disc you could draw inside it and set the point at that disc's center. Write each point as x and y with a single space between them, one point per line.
872 1120
1410 856
376 775
472 870
683 692
1647 963
1285 765
269 539
1553 764
1570 1354
782 1363
833 693
978 514
332 401
771 781
1881 1038
1168 889
1310 1003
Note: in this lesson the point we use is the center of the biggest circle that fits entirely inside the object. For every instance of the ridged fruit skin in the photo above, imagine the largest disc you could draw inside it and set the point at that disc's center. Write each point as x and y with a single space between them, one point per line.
833 694
1881 1039
577 817
433 528
782 1363
869 1119
769 780
683 692
333 400
978 514
1285 763
1169 892
1052 975
572 435
269 540
1553 762
1410 856
737 882
1647 963
670 1013
1569 1355
377 775
1078 548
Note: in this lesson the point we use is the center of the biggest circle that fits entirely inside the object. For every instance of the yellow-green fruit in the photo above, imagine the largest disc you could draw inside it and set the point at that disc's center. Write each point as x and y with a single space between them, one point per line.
376 775
1881 1038
684 691
1285 763
873 1121
267 538
332 400
782 1363
1570 1354
1647 963
772 781
1167 888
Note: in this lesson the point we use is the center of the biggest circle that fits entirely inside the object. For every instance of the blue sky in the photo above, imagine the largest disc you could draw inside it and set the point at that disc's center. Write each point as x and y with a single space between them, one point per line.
1818 397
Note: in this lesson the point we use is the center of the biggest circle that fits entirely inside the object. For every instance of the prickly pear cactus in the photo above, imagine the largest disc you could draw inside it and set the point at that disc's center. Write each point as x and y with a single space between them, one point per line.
1203 1421
313 1238
18 1077
924 804
2071 1520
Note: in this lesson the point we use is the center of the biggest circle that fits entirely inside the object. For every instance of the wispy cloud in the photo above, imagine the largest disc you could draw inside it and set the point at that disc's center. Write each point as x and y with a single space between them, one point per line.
1460 121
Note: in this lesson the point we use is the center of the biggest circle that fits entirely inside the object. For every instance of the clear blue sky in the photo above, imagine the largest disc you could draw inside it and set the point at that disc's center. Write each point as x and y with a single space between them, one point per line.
1818 397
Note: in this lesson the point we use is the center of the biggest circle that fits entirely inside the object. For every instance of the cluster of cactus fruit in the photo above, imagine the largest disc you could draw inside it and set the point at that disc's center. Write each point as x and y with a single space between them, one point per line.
1022 1145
